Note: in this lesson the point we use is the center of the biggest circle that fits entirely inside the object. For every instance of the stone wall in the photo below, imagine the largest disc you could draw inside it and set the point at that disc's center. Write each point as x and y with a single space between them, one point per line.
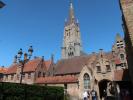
127 16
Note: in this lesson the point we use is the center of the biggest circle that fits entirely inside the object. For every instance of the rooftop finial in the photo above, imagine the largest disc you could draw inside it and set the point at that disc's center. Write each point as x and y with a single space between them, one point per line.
71 13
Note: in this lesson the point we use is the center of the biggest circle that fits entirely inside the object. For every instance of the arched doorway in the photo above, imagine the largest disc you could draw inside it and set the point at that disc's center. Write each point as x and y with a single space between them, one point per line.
103 87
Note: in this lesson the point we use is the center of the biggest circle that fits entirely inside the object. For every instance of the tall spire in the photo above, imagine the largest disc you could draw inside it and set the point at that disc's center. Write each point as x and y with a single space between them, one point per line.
71 13
71 40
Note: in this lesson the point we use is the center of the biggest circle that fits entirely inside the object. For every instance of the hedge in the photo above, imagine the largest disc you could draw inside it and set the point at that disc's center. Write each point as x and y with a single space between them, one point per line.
14 91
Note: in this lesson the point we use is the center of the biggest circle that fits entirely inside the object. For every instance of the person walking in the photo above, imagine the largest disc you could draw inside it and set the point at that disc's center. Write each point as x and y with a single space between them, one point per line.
88 93
94 94
85 95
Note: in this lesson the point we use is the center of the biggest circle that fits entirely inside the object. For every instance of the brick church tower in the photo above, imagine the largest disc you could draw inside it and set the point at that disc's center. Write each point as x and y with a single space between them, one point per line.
71 40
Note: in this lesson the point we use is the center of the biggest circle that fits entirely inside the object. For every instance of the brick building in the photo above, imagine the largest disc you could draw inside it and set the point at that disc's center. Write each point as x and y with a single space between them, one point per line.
126 7
2 71
32 69
77 71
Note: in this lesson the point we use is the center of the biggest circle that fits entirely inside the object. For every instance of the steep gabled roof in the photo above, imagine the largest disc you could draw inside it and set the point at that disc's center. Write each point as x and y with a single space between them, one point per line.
48 64
32 65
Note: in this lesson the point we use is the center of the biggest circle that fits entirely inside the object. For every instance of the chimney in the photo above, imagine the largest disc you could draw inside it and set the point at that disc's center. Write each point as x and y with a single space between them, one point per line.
35 57
101 52
42 58
52 58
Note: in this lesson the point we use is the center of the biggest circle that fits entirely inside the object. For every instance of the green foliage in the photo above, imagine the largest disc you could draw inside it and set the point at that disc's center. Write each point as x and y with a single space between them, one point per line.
13 91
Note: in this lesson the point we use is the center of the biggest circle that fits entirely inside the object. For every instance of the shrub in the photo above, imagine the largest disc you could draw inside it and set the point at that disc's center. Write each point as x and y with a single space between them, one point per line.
14 91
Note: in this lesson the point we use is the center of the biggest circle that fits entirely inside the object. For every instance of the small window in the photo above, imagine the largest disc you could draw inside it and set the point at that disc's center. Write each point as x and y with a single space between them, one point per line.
39 74
6 77
70 54
43 74
108 68
122 56
18 77
29 75
65 86
12 77
98 69
123 64
23 76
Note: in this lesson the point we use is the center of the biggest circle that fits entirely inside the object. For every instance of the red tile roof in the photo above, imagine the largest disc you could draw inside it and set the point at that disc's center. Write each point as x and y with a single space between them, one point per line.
32 65
57 80
12 69
47 64
73 65
3 70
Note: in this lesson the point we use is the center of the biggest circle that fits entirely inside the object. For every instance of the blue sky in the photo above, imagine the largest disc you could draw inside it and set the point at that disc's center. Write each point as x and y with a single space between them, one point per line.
40 23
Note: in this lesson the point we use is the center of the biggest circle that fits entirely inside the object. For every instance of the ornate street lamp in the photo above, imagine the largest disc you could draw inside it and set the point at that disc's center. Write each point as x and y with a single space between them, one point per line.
1 4
24 60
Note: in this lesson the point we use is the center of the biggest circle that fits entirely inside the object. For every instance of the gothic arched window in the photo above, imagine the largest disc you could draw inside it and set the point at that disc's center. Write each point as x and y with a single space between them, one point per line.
86 81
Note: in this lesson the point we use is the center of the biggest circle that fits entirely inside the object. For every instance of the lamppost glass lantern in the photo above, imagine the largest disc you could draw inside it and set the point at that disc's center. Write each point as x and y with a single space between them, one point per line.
24 60
30 50
1 4
20 53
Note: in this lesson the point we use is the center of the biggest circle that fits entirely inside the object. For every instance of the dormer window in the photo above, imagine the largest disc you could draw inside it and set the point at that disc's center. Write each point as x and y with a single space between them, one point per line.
98 69
43 74
108 68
